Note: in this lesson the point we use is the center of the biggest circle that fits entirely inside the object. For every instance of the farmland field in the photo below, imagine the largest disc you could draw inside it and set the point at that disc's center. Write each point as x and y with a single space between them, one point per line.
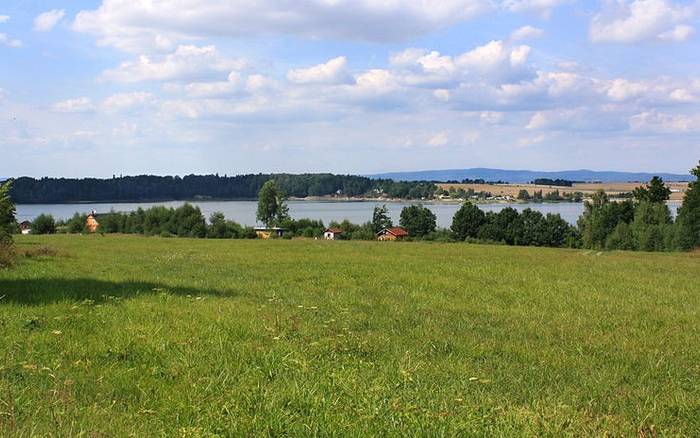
106 336
512 190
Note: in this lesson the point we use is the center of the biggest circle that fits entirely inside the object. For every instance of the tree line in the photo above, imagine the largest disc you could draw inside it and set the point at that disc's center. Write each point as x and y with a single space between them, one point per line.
27 190
554 182
641 223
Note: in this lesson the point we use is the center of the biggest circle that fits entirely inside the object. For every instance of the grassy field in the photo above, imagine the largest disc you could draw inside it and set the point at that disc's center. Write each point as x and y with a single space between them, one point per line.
587 189
131 336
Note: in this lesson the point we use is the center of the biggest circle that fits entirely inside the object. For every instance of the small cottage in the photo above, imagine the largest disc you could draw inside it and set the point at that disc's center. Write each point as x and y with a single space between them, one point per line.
91 223
25 227
332 233
266 233
394 233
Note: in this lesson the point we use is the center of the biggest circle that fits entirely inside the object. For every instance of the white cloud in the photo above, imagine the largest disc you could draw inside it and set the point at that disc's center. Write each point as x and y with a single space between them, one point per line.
662 123
683 95
45 22
622 89
442 94
10 42
439 139
187 61
591 119
132 26
332 72
494 62
525 33
4 18
543 7
77 105
642 20
126 101
490 117
679 33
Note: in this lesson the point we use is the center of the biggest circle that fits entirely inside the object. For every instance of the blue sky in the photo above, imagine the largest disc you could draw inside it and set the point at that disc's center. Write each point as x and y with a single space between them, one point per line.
95 88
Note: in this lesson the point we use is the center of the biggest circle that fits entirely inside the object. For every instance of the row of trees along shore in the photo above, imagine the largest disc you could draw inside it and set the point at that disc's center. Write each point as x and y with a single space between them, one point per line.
27 190
643 223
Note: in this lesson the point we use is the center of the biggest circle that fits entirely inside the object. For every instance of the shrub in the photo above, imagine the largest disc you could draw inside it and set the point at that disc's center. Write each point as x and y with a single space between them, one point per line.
44 224
621 238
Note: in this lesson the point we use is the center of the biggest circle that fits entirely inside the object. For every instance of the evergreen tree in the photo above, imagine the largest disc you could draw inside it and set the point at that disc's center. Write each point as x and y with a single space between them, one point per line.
656 191
688 221
8 223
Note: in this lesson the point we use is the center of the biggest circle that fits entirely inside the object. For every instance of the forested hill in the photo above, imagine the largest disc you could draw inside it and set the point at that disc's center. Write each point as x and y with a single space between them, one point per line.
525 176
165 188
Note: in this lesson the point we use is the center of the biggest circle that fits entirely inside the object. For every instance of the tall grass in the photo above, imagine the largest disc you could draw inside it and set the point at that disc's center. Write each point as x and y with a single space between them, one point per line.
132 336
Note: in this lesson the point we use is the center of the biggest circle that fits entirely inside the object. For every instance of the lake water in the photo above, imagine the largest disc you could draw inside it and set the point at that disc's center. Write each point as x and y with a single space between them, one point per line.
243 212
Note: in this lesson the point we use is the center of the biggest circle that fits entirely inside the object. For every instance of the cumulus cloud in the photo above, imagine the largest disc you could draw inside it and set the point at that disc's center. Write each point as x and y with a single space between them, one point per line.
77 105
642 20
126 101
591 119
131 25
332 72
45 22
543 7
10 42
6 40
657 122
494 62
185 62
439 139
526 33
679 33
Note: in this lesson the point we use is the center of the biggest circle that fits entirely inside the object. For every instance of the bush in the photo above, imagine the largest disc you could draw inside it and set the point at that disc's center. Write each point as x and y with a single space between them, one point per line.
44 224
76 224
621 238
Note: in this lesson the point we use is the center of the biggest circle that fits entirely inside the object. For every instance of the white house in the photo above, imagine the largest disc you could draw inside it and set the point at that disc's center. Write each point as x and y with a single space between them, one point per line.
332 233
25 227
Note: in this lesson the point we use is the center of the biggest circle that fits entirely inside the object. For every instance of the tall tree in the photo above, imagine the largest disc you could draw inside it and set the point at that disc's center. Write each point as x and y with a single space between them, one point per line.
467 221
688 222
8 222
381 219
418 220
272 209
656 191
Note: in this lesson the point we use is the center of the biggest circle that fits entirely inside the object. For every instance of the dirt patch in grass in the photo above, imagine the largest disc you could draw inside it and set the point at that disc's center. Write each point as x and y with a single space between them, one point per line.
7 254
41 251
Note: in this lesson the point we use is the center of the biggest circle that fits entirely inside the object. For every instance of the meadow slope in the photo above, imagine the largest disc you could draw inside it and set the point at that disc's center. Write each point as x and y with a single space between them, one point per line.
135 336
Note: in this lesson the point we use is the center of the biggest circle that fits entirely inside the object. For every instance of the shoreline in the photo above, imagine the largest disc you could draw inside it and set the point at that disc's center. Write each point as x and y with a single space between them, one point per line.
329 200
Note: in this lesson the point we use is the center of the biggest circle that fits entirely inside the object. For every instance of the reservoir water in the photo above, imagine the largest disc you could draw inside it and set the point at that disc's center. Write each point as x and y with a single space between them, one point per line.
243 212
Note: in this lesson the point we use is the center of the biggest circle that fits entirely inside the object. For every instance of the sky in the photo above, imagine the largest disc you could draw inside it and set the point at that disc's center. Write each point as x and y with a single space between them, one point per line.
102 88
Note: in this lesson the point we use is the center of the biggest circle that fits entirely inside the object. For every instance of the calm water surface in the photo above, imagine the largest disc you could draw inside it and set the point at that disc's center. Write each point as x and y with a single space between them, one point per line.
243 212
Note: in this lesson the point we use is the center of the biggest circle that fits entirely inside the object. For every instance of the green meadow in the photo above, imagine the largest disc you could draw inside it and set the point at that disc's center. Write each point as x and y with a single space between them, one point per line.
111 336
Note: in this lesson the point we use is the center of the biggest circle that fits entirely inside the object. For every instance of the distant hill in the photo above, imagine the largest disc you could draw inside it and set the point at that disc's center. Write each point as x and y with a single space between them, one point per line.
524 176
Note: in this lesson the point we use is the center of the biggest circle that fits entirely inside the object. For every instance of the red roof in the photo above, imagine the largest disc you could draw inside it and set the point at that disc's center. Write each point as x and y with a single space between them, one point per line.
334 230
396 231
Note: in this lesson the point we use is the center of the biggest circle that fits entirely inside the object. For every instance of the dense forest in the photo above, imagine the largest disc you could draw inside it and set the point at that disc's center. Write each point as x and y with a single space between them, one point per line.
27 190
554 182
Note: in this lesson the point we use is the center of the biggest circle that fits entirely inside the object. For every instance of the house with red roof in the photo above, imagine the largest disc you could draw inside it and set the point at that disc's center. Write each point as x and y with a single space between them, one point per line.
393 233
332 233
